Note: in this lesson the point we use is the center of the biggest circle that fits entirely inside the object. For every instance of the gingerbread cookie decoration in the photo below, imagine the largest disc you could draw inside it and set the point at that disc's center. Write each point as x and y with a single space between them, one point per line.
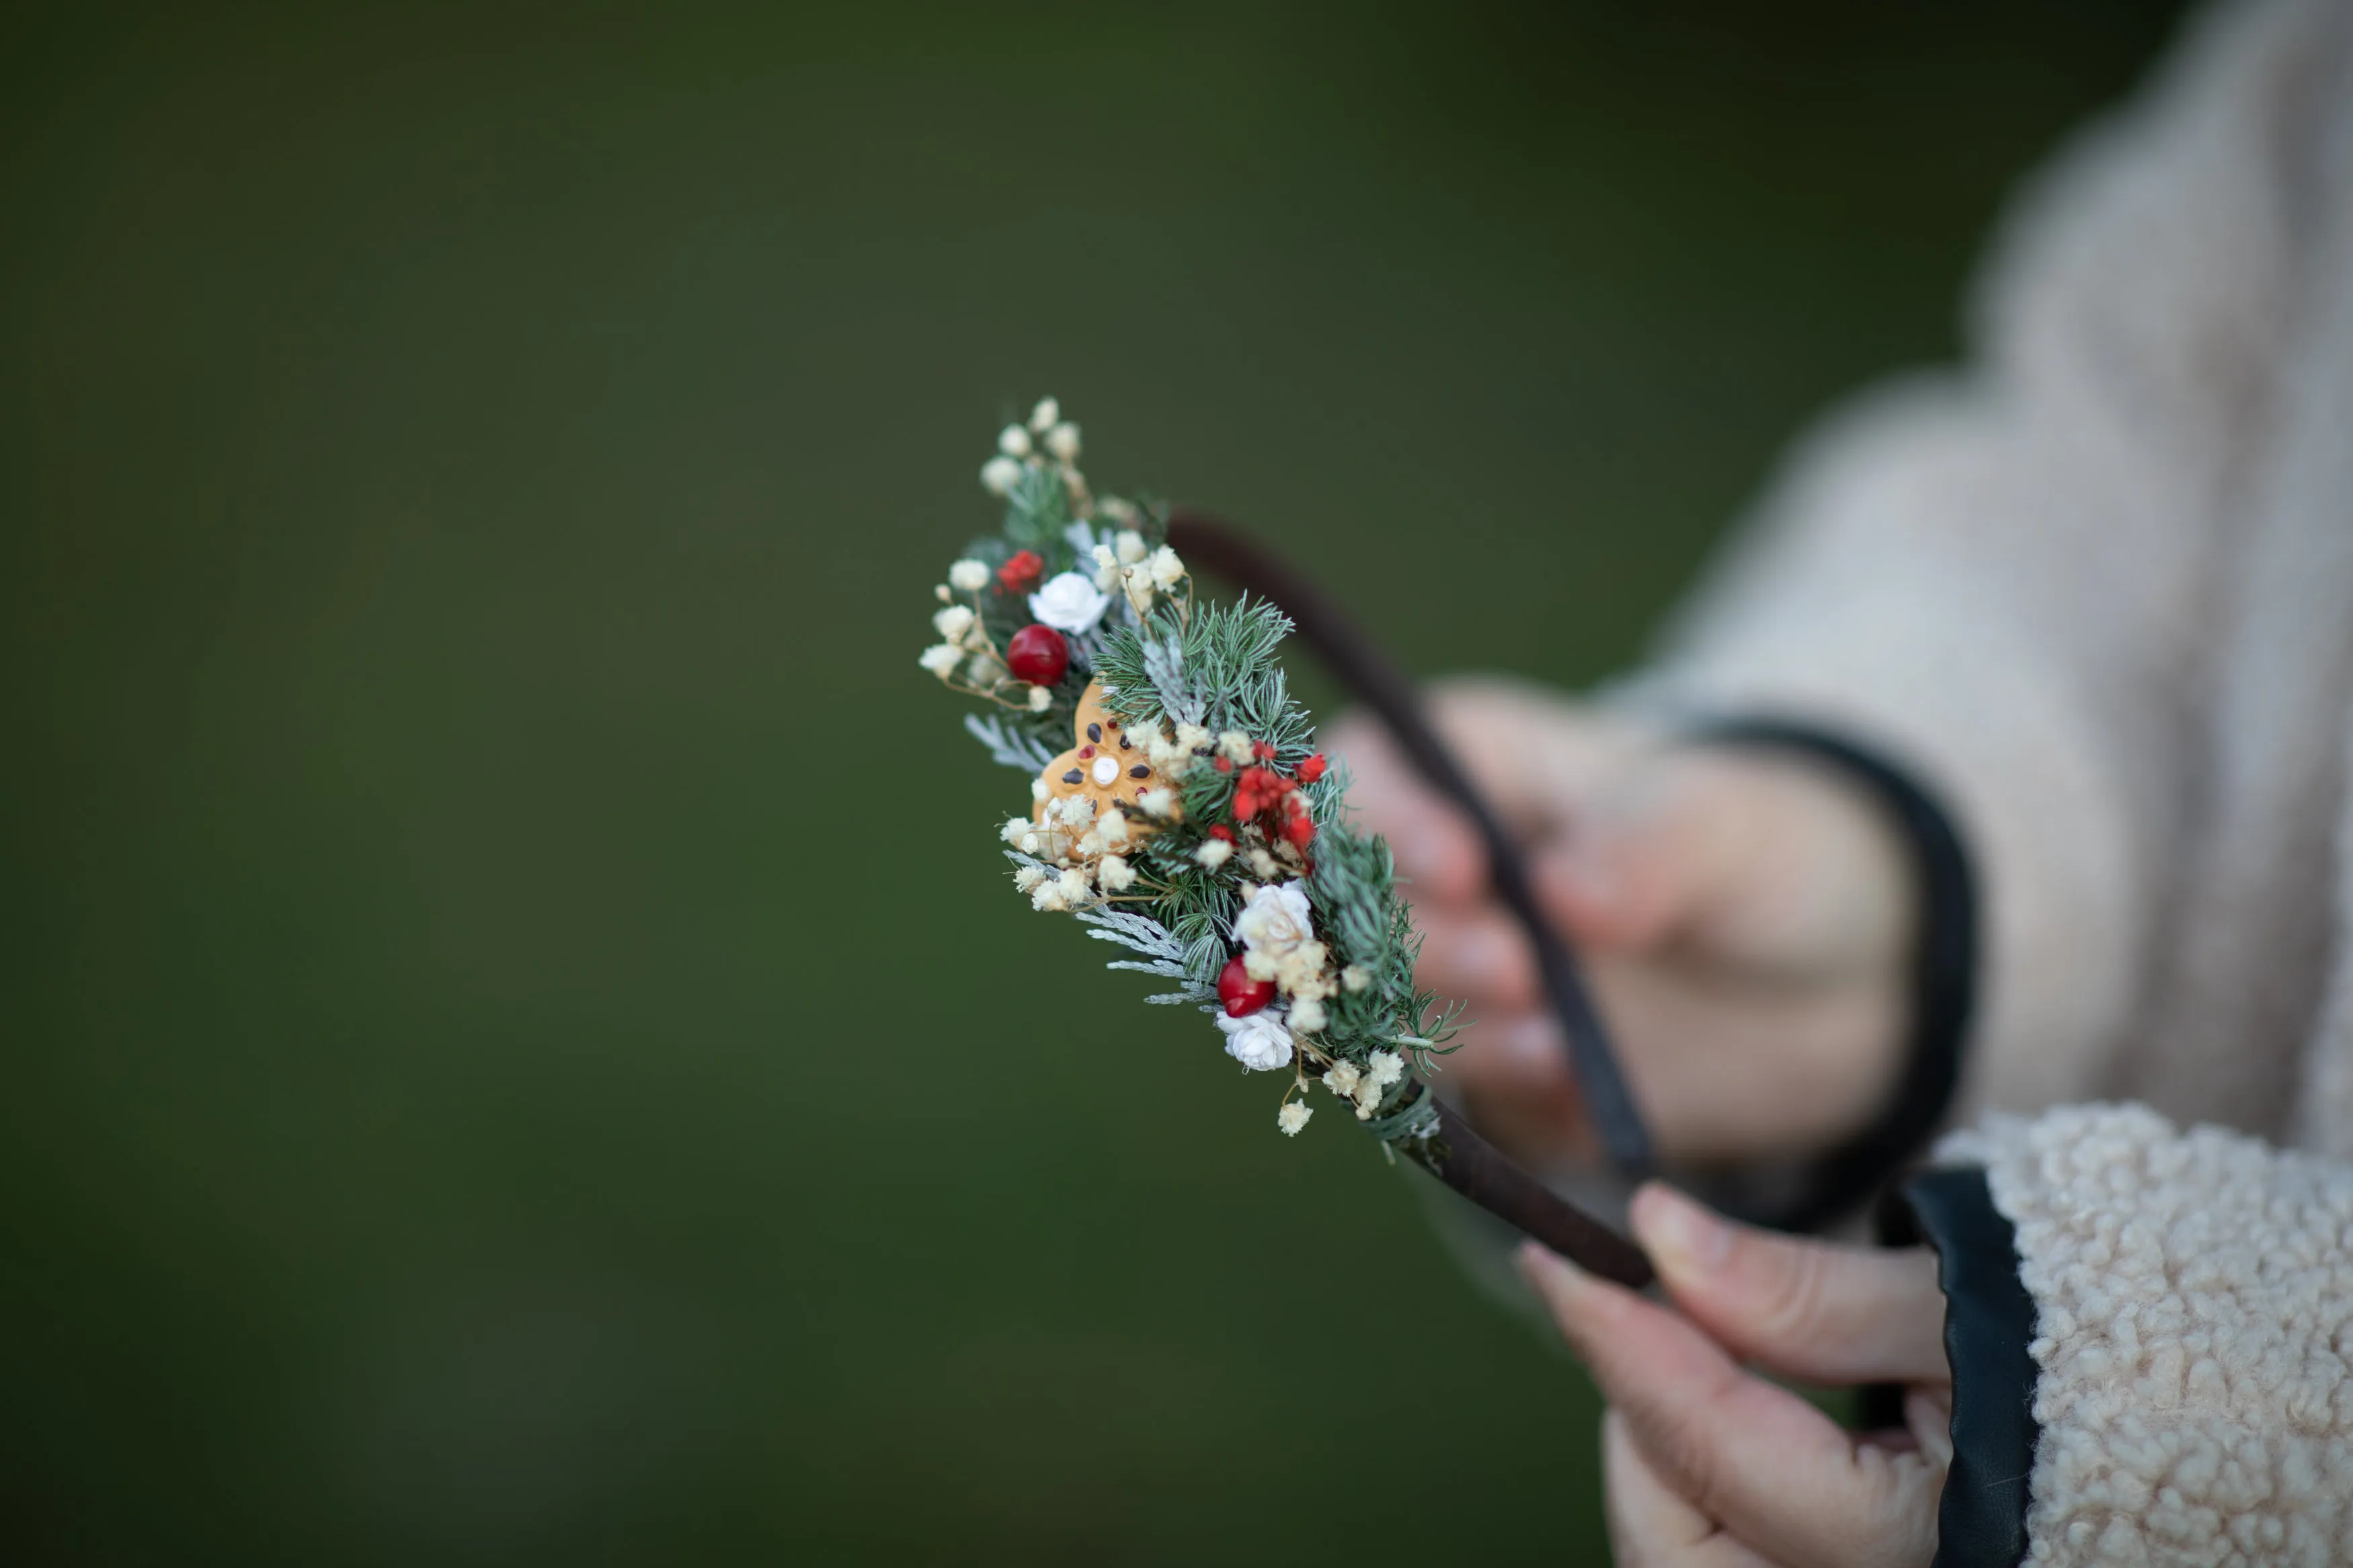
1103 764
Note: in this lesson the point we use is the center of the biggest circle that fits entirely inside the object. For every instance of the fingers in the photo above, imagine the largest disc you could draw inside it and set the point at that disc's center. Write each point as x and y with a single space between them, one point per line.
1650 1525
1768 1468
1805 1308
1436 849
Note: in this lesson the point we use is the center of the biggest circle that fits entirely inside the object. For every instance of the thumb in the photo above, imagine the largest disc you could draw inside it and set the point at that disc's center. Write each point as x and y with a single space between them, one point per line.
1806 1309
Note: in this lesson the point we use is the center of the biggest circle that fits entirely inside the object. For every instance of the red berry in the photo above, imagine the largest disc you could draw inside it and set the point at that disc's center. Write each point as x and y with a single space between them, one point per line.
1220 830
1224 765
1241 994
1038 654
1262 751
1298 827
1025 567
1312 768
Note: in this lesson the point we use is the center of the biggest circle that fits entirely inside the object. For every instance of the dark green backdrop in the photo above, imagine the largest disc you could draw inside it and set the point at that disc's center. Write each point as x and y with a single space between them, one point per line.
519 1044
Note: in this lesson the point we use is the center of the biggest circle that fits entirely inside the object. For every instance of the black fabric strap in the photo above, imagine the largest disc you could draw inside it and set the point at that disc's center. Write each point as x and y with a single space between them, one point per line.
1988 1323
1944 975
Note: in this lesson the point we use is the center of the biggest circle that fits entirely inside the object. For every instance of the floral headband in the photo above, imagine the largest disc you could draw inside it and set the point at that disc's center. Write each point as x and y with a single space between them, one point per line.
1178 807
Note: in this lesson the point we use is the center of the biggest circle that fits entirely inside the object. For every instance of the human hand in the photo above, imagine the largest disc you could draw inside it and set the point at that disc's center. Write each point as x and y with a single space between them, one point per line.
1710 1467
1743 917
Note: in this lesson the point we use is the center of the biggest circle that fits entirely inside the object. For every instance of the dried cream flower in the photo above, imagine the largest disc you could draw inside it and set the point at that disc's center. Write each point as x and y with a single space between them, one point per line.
1107 571
1167 569
1235 747
1292 1117
952 623
1262 864
940 592
1115 873
1307 1016
1343 1078
1355 977
968 575
1039 700
1112 827
1129 547
1074 884
1159 801
985 669
1062 440
1013 441
942 659
1028 877
1385 1068
1048 896
1213 853
1039 788
1016 830
999 475
1045 416
1260 965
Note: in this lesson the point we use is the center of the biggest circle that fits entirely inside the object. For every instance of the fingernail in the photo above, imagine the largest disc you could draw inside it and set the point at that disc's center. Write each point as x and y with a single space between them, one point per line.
1678 1232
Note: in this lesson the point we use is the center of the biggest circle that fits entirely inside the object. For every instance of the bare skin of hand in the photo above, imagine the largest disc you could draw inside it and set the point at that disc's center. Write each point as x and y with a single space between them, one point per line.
1743 917
1708 1465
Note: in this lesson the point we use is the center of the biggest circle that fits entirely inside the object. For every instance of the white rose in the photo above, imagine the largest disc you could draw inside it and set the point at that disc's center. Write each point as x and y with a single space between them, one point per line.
1275 920
1259 1042
1069 602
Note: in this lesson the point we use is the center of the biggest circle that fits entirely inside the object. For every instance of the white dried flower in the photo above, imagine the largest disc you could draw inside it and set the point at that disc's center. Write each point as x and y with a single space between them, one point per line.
1355 977
1069 603
1259 1042
1107 572
1062 440
1260 965
1213 853
1235 747
999 475
1074 884
952 623
985 669
1192 737
942 659
1048 896
1385 1068
1128 546
1016 830
1046 416
1031 843
1262 864
1343 1078
1039 788
968 575
1115 873
1138 586
1307 1016
1167 569
1028 877
1159 801
940 592
1076 810
1013 441
1292 1117
1113 828
1039 700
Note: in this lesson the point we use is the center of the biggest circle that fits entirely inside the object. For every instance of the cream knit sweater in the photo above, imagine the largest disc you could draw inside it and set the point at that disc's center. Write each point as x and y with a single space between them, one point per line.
2099 591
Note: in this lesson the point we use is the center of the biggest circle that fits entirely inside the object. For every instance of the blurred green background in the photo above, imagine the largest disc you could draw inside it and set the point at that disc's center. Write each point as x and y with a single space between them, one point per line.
519 1045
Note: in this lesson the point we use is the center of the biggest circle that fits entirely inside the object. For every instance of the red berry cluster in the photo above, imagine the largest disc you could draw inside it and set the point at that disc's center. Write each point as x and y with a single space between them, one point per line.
1020 573
1265 796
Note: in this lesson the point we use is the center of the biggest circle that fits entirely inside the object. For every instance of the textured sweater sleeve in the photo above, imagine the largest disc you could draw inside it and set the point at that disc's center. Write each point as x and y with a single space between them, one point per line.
1999 576
2192 1318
